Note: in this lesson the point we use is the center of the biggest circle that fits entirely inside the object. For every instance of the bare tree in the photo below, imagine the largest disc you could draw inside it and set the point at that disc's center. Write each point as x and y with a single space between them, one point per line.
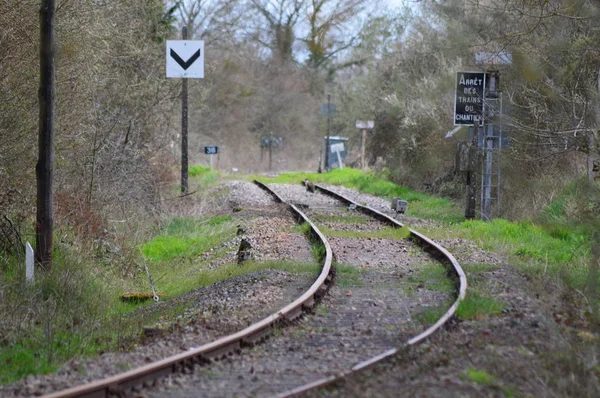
210 20
328 35
281 18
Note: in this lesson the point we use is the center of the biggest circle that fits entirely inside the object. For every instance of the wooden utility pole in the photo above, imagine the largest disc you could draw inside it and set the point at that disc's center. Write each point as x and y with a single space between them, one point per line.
328 132
45 165
184 126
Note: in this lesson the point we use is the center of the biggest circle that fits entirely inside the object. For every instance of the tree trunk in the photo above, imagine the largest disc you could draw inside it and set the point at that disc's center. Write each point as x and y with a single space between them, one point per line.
45 166
594 141
594 156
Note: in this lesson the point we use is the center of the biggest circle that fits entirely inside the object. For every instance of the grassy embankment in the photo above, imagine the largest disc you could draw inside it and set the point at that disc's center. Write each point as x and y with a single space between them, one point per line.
549 245
77 310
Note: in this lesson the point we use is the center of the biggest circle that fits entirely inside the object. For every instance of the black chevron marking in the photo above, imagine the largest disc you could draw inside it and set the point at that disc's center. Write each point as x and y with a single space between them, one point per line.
185 64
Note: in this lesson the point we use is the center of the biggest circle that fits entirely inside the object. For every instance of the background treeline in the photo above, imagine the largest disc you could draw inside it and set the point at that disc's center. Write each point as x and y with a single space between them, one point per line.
269 68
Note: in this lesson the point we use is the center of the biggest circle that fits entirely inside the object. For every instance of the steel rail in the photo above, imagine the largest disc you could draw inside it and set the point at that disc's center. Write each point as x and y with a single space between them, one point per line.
425 241
221 347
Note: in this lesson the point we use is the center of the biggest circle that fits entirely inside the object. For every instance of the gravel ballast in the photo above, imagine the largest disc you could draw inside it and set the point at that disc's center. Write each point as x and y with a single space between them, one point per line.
364 314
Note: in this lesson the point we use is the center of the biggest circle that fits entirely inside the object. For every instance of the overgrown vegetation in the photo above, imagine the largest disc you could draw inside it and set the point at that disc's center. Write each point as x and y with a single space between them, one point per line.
420 204
555 242
203 175
77 311
347 275
477 305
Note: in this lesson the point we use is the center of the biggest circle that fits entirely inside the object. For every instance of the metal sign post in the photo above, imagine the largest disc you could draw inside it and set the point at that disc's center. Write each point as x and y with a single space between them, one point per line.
185 60
211 151
270 142
328 110
468 111
364 125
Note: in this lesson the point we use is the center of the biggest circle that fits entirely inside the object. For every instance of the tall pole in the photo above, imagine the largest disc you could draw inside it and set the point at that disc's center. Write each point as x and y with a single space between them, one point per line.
328 131
489 153
45 165
471 177
184 126
271 153
363 144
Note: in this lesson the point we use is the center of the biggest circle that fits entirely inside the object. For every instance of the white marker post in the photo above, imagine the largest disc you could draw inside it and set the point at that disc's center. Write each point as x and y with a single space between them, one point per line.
337 148
364 125
29 263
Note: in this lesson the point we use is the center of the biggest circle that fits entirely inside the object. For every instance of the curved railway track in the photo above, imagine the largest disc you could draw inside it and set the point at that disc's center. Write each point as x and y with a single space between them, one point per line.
221 348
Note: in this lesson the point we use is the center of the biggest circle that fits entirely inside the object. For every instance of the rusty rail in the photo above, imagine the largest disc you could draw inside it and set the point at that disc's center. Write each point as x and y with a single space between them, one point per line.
221 347
425 241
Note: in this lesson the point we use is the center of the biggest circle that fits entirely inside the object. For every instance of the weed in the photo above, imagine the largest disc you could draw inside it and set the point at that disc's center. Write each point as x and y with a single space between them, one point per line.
347 275
322 311
433 276
303 228
480 377
203 175
477 306
430 315
188 237
318 251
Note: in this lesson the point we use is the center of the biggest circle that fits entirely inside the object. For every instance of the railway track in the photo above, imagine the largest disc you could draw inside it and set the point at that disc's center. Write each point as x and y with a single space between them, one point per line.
347 322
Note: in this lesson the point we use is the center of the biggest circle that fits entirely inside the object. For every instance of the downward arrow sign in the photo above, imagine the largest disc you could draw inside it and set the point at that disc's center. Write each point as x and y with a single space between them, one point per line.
185 64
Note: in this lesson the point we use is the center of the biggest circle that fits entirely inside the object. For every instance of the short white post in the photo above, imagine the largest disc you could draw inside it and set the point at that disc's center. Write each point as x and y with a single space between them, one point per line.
28 263
339 158
211 162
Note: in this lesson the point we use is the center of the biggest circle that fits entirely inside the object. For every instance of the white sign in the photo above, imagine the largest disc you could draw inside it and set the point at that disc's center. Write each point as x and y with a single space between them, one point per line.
339 147
185 59
28 263
365 124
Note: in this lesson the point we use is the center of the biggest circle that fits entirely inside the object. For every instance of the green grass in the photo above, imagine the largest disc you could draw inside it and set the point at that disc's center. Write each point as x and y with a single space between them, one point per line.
432 314
527 245
556 245
420 205
480 377
347 275
187 237
477 306
483 378
433 276
202 175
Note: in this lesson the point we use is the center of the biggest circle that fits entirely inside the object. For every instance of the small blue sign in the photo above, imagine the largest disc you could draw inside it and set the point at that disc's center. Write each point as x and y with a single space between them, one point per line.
211 150
331 110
